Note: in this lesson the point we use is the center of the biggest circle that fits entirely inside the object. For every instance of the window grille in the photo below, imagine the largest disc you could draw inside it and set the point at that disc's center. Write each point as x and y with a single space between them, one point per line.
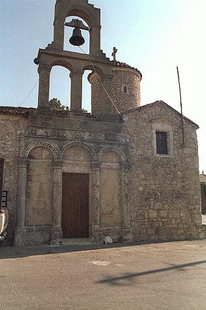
162 142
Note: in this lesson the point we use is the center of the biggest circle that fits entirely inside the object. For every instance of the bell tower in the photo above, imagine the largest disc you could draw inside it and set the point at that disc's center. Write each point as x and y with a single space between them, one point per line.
96 61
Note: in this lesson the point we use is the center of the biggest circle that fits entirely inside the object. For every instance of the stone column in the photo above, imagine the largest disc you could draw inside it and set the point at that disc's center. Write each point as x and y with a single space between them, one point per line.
95 40
96 205
21 202
56 232
76 90
44 81
125 216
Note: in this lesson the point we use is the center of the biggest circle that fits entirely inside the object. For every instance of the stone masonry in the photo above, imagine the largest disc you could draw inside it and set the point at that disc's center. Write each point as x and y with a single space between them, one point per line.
135 192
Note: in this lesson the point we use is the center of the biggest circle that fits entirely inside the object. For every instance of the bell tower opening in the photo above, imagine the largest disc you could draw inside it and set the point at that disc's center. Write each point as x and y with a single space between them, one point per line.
86 92
76 39
60 85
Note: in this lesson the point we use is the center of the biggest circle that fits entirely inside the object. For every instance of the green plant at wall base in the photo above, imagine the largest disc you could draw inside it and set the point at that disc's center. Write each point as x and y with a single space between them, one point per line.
203 188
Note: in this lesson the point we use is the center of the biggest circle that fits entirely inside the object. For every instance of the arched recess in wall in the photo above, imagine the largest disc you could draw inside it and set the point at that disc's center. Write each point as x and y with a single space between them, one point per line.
110 185
68 32
60 84
39 187
77 159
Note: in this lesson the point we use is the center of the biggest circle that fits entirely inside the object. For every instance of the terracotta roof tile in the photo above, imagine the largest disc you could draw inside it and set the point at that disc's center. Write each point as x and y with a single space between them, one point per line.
124 65
16 111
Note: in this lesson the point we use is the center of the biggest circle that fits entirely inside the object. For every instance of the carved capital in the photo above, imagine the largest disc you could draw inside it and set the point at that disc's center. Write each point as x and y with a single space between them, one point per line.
126 166
58 164
95 164
76 72
23 162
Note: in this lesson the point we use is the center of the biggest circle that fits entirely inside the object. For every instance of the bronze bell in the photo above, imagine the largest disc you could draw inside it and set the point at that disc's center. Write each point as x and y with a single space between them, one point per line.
77 38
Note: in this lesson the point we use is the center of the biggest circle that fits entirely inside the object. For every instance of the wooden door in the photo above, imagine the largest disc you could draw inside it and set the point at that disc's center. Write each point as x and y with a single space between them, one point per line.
75 205
1 177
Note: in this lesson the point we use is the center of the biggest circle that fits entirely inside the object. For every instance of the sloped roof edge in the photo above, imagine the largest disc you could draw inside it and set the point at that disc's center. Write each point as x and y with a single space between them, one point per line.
159 102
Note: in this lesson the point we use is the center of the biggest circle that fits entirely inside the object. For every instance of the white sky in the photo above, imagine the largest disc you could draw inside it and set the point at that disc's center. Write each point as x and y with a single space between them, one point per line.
151 35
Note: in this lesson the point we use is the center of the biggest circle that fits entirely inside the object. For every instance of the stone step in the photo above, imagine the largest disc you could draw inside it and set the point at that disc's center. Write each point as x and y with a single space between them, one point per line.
77 241
203 232
204 219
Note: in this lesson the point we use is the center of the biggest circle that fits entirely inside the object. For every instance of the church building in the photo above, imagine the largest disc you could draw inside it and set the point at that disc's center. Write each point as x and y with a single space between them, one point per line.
124 170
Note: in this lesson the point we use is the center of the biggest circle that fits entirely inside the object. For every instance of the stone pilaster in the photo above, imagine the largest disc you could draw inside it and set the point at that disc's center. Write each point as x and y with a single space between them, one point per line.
95 207
56 232
76 90
124 190
21 202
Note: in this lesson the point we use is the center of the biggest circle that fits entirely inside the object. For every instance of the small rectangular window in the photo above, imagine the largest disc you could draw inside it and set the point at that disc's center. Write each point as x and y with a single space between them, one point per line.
161 142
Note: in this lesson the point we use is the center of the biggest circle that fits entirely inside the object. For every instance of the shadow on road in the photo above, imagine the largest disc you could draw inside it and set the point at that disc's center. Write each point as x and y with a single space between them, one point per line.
18 252
128 278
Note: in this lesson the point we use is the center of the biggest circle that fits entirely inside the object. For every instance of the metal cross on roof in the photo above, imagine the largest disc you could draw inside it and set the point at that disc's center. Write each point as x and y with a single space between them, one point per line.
115 50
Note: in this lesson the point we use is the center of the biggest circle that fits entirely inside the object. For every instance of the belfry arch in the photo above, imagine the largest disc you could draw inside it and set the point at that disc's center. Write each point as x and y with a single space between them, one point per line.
60 85
96 61
82 9
68 33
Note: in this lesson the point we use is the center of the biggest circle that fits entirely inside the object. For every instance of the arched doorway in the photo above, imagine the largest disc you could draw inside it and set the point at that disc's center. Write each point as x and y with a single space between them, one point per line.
76 192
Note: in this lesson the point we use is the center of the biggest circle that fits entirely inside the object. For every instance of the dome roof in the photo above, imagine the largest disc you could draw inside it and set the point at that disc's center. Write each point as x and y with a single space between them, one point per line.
123 65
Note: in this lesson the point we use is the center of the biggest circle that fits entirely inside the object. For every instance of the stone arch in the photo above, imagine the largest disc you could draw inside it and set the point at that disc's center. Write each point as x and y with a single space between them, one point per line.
60 72
89 147
44 144
116 150
84 10
58 62
84 13
41 153
94 69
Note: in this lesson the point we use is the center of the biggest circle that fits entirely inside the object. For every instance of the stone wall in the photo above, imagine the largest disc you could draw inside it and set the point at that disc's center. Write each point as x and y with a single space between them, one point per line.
95 94
126 88
134 194
11 128
164 192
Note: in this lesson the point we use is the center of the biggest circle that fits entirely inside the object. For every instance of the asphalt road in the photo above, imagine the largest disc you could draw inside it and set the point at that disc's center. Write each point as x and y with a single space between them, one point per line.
151 276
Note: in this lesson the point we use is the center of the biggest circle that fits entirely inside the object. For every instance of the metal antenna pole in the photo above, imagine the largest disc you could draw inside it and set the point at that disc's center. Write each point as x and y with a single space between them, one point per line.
182 119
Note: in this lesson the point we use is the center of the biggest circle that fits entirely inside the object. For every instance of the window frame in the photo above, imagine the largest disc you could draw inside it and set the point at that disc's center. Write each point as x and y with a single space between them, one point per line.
123 89
163 126
162 142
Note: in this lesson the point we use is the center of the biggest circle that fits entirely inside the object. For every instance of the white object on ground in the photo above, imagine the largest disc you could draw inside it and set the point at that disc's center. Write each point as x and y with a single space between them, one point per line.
107 240
3 220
